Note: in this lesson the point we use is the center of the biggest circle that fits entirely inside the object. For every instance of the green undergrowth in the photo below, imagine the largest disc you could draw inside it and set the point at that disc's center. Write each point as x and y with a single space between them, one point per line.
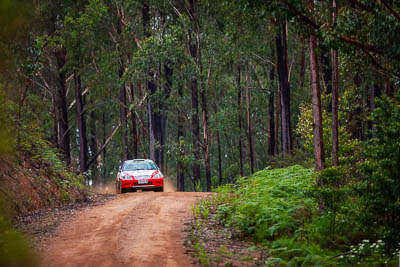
277 209
267 205
42 154
34 165
300 157
14 247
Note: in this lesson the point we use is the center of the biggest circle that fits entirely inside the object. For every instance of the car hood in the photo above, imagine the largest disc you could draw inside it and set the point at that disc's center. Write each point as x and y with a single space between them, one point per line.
141 173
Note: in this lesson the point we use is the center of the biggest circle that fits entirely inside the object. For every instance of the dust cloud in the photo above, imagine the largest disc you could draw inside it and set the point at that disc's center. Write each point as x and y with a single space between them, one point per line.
168 186
108 187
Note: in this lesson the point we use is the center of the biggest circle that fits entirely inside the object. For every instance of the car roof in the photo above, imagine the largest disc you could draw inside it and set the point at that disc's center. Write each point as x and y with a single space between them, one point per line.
137 160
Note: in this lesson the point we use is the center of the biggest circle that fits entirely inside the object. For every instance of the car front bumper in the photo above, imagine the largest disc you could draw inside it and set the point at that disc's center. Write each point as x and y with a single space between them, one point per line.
134 184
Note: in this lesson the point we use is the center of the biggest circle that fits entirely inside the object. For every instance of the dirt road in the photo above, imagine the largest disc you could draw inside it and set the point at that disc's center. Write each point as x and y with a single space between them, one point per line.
134 229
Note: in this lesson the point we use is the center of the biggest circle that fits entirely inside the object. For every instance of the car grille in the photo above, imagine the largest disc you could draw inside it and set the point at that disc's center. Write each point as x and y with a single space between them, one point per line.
136 183
139 177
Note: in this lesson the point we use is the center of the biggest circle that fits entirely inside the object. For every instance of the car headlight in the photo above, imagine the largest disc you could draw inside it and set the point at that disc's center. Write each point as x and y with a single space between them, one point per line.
125 177
158 175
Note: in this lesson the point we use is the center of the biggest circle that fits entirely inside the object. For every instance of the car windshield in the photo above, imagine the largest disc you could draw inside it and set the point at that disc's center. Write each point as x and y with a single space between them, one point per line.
143 165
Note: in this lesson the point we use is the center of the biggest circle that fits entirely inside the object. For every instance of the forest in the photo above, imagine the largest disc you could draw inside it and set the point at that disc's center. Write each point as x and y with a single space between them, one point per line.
214 92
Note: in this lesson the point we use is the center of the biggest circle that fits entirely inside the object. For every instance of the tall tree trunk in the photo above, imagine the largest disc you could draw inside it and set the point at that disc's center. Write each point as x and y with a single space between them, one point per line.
163 125
80 114
218 145
157 119
104 122
303 63
319 155
150 86
287 97
153 112
271 123
326 70
204 108
134 126
335 93
166 92
277 121
205 138
122 96
180 170
122 114
249 128
195 131
389 88
239 111
93 142
281 48
219 158
151 132
193 47
144 132
62 109
54 115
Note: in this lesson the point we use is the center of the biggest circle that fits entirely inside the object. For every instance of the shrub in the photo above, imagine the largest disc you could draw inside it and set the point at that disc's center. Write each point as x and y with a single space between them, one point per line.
380 191
268 204
349 148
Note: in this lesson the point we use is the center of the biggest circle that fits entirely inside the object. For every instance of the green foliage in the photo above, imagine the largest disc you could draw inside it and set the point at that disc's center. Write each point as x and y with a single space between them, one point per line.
14 248
232 173
375 252
30 144
201 254
299 157
267 205
349 151
14 20
198 187
201 210
288 252
277 208
338 225
304 127
380 190
6 142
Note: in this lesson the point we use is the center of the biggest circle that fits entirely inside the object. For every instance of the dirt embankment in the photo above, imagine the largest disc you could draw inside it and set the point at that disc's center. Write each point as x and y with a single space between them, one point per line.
28 185
133 229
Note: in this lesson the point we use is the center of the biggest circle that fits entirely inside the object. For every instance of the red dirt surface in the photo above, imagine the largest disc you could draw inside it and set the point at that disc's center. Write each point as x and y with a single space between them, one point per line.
134 229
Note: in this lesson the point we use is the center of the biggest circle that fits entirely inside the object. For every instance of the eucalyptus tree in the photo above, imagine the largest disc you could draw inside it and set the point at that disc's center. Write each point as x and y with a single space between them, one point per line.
319 155
283 75
51 18
335 92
